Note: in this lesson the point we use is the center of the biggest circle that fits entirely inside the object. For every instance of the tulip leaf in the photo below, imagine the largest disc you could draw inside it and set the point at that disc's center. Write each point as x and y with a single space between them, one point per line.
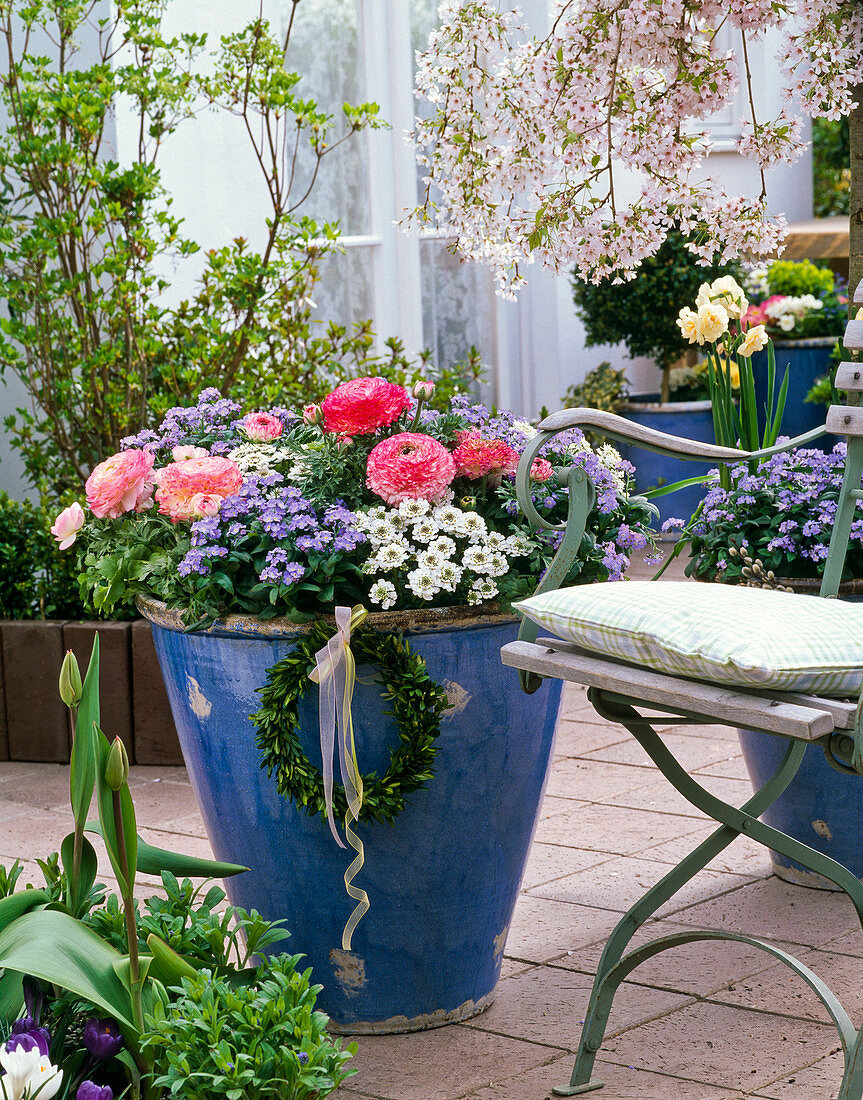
11 997
124 869
82 771
56 948
168 966
153 861
16 905
79 886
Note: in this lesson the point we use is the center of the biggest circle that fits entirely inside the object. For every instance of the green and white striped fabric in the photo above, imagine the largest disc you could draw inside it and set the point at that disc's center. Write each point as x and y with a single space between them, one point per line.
722 633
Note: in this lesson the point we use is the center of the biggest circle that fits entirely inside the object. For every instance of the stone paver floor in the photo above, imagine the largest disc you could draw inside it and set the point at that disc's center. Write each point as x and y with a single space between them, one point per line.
707 1022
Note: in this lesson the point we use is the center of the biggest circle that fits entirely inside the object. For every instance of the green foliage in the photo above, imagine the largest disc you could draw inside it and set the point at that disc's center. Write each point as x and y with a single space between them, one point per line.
83 238
642 312
603 388
798 277
417 704
262 1040
36 580
831 166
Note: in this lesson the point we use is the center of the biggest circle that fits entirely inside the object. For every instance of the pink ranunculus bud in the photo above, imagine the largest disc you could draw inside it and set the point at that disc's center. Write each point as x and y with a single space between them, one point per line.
205 504
262 427
313 414
541 470
67 525
180 454
120 484
423 390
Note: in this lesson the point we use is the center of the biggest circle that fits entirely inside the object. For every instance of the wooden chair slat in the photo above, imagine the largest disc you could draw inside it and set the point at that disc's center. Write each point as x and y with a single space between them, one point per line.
853 338
845 420
734 706
849 377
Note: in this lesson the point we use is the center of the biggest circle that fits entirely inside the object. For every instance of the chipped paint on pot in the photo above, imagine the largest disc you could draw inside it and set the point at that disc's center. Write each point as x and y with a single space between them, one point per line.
442 881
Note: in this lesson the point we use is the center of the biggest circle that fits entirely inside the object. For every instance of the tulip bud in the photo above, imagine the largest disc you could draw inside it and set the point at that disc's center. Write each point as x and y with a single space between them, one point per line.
117 767
423 390
313 414
70 680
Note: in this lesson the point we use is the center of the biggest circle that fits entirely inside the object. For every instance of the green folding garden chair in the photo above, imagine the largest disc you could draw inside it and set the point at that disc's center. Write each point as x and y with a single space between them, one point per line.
772 661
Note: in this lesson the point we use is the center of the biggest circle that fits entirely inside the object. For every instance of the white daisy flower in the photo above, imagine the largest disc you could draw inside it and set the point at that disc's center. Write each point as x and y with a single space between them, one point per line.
449 575
499 565
485 589
371 565
517 546
413 509
448 518
443 545
526 428
424 530
381 531
423 584
473 525
258 458
393 554
383 593
494 540
430 560
477 559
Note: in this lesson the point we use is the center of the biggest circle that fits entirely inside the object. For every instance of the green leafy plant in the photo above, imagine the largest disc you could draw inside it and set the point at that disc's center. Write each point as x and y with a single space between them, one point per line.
261 1040
798 277
831 167
36 580
642 312
82 236
603 388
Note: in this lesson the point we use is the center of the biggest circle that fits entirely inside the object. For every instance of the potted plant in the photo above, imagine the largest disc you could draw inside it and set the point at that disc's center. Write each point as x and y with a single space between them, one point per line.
804 309
768 516
243 536
641 312
103 997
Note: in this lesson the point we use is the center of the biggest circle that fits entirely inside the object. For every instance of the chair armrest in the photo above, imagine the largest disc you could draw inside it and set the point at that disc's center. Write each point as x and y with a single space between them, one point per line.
648 439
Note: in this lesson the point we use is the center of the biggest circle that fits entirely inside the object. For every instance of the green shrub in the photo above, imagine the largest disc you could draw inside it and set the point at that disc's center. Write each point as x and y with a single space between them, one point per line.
831 167
798 277
249 1042
36 580
642 312
603 388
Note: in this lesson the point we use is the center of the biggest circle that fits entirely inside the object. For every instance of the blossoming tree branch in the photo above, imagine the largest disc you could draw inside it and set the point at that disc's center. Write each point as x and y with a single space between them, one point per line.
528 141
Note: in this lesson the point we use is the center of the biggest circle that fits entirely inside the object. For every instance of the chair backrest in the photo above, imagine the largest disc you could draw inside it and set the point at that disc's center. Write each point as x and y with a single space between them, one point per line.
847 420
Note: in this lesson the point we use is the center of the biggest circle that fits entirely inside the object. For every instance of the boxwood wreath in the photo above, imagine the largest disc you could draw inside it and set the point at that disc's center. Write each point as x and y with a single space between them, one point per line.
417 705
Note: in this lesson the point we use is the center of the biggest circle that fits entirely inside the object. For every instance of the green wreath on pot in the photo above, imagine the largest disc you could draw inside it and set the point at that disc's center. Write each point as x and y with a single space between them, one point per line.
416 702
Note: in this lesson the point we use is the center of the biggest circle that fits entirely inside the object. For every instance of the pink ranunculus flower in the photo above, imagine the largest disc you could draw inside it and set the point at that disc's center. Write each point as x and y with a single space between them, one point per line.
67 525
121 483
262 427
180 485
541 470
205 504
409 466
476 457
180 454
362 405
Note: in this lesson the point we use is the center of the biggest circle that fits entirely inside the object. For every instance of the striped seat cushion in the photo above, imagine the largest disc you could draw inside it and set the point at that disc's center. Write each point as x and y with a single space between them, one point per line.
722 633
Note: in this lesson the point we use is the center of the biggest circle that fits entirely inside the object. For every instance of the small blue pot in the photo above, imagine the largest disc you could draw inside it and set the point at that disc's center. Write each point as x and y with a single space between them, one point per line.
687 419
806 360
442 881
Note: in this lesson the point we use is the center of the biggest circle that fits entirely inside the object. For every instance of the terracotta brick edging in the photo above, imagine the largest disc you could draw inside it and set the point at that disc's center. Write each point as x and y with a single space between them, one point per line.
34 723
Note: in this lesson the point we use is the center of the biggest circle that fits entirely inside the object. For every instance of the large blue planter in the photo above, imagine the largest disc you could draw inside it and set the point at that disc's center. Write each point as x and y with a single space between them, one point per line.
806 360
442 882
687 419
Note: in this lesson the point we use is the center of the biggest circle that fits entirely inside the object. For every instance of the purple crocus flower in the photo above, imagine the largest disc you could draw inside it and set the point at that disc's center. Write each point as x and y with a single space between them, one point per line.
89 1090
36 1038
102 1038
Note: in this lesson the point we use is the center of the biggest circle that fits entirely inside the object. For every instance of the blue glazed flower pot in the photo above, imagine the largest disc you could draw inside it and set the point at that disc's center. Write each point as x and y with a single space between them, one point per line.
806 361
687 419
821 807
442 881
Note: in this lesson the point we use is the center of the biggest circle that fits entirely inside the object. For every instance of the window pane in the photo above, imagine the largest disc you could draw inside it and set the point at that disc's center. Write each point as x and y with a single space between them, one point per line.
458 305
325 49
344 292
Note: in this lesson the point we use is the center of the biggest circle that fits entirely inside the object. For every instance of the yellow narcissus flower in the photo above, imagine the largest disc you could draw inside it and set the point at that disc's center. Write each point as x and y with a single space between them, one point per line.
687 322
712 322
756 338
726 292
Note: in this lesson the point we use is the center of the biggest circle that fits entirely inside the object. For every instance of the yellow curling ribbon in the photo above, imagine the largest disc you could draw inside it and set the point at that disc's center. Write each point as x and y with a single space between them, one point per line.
335 673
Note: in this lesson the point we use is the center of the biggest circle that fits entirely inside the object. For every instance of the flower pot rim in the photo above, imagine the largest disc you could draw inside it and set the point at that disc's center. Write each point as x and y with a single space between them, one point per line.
667 406
420 620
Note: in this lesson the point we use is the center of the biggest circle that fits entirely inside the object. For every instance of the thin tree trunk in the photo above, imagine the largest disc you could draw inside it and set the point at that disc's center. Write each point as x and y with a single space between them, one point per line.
855 259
